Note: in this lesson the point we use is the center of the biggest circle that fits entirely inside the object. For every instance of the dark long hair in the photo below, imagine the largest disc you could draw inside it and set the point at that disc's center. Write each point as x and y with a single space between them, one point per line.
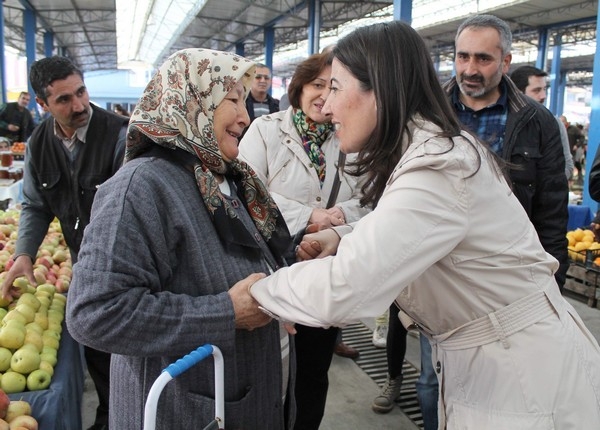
392 60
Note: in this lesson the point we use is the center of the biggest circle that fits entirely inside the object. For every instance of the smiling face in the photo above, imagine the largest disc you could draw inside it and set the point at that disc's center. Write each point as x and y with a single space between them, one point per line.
230 120
353 110
313 96
68 102
479 65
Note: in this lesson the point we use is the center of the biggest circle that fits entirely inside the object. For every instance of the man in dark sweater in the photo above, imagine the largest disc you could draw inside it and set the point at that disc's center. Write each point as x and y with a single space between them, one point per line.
16 122
259 101
68 156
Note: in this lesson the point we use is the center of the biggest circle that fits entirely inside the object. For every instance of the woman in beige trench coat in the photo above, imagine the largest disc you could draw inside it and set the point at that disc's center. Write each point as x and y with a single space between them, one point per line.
449 242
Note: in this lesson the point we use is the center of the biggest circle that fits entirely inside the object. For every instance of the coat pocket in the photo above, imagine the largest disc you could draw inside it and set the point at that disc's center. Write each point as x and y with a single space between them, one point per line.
469 417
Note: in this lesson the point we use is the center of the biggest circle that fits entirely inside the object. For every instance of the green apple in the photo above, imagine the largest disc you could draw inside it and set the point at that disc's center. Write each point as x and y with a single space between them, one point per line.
33 326
55 326
3 313
60 297
17 408
34 338
24 422
39 294
15 315
47 340
41 318
26 310
12 382
58 304
49 358
21 284
11 337
38 380
14 324
44 301
50 350
29 299
44 365
5 356
49 288
25 360
53 314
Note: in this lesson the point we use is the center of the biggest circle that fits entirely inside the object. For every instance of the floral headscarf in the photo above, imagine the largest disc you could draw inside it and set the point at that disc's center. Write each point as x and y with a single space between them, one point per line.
177 110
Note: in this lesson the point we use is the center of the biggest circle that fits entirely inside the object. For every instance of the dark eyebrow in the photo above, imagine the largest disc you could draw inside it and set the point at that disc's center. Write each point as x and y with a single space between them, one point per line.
332 80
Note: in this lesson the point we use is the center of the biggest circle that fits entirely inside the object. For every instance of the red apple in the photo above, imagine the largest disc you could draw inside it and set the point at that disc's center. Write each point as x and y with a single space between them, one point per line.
44 262
4 402
9 264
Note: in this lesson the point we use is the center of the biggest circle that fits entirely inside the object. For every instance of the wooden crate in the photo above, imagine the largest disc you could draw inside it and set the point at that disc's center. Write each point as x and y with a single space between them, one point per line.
584 282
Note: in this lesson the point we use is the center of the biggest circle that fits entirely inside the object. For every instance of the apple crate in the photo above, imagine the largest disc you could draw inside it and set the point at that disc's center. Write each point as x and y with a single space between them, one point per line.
583 283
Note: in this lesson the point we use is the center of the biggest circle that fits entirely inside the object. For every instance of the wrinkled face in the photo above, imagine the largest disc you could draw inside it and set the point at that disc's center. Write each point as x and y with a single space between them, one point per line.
353 110
68 102
479 62
262 80
537 88
230 120
23 100
313 96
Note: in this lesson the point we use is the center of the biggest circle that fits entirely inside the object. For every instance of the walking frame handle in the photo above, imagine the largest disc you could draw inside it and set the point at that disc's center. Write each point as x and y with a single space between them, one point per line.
179 367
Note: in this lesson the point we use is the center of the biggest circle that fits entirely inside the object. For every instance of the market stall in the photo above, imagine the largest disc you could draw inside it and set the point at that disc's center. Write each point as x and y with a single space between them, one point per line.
59 407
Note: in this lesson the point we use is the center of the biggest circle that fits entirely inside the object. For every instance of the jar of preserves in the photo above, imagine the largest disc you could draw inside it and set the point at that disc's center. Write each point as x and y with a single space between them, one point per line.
6 158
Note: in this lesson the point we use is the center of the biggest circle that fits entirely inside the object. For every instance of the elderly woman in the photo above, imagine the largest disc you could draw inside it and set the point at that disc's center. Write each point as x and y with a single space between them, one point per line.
449 242
295 153
170 234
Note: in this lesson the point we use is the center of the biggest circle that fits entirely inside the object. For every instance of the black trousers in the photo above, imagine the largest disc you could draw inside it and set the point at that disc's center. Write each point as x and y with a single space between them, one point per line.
98 365
396 343
314 350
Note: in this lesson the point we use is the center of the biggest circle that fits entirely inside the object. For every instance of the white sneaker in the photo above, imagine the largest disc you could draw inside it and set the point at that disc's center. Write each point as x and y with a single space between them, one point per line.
380 336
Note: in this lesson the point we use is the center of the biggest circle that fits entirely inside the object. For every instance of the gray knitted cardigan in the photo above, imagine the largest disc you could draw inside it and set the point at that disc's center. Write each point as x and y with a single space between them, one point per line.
151 285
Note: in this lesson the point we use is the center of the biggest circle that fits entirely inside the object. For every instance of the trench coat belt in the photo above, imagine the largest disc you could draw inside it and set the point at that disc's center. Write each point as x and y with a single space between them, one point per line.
499 325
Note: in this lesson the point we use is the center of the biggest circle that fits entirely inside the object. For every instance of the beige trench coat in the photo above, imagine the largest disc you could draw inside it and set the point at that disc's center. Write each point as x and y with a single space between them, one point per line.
453 246
273 148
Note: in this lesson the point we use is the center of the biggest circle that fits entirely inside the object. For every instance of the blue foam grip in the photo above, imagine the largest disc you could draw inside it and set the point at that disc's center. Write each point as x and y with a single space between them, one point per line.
190 360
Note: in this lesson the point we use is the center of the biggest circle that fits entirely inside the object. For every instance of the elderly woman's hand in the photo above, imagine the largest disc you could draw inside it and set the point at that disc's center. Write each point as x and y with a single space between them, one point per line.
324 219
318 245
247 314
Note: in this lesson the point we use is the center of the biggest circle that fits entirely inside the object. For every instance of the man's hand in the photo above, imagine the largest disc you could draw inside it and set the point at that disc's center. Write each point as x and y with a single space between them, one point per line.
318 245
22 267
247 314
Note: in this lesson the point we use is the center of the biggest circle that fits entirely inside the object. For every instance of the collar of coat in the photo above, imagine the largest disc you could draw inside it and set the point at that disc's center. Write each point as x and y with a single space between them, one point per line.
516 99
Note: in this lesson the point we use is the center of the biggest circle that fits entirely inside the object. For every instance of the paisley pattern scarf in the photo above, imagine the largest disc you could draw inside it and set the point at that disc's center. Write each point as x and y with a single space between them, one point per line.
313 135
176 110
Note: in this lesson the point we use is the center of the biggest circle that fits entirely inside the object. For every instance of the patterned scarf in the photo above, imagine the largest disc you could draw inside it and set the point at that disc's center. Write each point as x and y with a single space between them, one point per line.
176 110
313 135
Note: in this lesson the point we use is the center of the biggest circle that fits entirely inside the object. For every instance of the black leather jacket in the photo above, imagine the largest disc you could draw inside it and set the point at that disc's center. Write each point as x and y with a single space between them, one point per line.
532 143
54 188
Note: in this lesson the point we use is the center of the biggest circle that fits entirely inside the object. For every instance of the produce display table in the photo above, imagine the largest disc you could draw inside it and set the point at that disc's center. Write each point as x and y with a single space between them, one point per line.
579 217
11 190
59 407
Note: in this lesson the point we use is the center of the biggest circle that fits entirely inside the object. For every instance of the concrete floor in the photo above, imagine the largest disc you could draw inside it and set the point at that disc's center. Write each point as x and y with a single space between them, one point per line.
351 391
